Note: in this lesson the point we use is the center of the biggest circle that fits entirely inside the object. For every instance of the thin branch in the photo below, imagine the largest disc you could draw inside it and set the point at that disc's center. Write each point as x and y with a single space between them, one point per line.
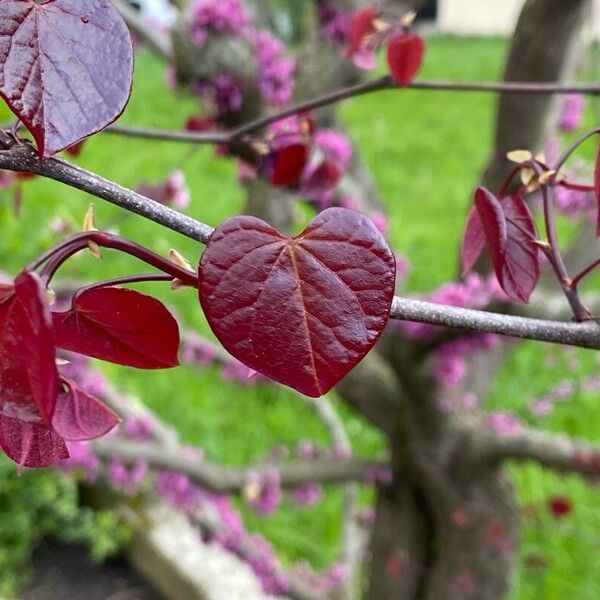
225 480
22 157
383 83
559 453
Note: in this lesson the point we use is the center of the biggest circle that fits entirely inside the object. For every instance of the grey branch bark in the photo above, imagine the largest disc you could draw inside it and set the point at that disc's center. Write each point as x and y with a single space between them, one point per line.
556 452
224 480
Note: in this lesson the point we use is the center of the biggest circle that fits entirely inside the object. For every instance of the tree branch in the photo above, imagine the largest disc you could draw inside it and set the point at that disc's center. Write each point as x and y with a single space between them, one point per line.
225 480
559 453
383 83
22 157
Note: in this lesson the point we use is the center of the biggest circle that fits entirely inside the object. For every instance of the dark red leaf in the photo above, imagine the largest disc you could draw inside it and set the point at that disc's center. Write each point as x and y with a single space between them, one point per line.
65 68
302 310
405 57
30 444
473 241
597 188
75 149
79 416
362 27
199 124
120 326
320 179
509 231
287 164
28 377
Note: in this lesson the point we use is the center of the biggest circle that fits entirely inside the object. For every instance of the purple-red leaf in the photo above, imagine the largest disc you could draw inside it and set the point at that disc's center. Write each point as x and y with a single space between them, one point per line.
405 57
65 68
285 165
510 233
28 377
79 416
597 188
120 326
473 241
30 444
302 310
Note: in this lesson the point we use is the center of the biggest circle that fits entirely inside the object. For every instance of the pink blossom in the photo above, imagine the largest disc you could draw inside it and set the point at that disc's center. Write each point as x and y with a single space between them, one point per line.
307 495
225 16
504 424
81 457
124 478
571 115
263 492
541 407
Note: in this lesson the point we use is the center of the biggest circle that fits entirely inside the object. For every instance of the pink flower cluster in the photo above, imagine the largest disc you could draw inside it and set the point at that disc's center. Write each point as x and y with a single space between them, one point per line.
571 114
335 24
576 204
275 69
263 492
224 93
225 16
171 192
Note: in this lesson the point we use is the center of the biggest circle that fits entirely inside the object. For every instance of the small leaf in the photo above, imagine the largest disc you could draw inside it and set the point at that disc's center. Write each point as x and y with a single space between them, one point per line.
510 234
405 57
79 416
284 166
65 68
120 326
519 156
89 224
362 27
303 310
321 179
473 241
30 444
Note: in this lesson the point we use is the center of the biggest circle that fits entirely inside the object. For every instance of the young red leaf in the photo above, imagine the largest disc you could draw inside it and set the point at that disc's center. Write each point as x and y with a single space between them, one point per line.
120 326
65 68
597 188
321 179
30 444
304 310
473 241
362 26
405 57
28 377
79 416
285 166
510 233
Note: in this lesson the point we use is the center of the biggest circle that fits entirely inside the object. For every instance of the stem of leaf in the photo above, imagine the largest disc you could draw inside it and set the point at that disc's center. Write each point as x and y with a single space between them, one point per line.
142 278
573 147
57 255
580 312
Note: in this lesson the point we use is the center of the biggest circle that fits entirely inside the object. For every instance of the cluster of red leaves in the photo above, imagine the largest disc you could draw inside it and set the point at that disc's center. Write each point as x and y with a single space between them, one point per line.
559 506
405 50
507 228
39 409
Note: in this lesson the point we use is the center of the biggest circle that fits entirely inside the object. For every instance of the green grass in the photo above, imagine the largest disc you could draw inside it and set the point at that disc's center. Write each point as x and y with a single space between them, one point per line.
426 152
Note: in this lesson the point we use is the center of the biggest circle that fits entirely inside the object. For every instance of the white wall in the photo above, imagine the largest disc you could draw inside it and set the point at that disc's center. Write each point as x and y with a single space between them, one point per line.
490 17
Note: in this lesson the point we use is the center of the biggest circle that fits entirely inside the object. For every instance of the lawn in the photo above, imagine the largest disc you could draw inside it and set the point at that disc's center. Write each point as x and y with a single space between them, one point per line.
426 151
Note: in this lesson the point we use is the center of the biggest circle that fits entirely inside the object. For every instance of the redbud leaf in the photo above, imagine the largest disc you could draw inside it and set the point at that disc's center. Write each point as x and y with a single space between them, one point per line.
31 444
65 68
405 57
120 326
362 26
510 233
322 179
597 188
28 377
473 241
287 165
303 310
79 416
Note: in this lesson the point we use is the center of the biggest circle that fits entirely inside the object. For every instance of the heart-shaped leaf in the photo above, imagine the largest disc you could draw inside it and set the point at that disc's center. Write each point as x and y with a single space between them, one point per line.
301 310
405 57
65 67
120 326
510 233
30 444
79 416
28 377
